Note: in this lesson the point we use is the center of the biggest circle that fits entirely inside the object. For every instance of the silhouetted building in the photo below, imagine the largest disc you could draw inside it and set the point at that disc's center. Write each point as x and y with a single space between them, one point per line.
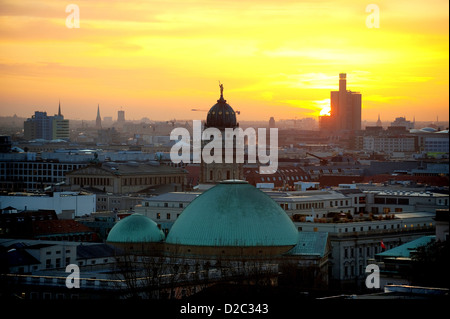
345 114
379 124
272 122
41 126
98 120
401 121
121 117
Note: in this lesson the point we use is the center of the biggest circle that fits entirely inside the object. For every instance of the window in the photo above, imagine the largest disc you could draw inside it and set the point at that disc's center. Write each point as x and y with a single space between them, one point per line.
391 201
168 216
158 215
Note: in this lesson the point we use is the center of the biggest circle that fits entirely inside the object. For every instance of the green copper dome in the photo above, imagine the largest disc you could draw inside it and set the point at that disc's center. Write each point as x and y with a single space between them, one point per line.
135 228
233 213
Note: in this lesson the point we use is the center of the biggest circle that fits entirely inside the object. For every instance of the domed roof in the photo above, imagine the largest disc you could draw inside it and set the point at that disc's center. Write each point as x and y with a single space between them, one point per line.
135 228
233 213
221 115
428 129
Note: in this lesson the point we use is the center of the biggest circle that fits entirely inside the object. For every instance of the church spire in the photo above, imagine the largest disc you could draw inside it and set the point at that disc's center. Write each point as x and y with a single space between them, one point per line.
98 121
379 121
59 108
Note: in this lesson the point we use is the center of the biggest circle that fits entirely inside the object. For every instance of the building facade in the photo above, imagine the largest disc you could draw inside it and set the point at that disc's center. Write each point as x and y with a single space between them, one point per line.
27 172
41 126
125 178
355 243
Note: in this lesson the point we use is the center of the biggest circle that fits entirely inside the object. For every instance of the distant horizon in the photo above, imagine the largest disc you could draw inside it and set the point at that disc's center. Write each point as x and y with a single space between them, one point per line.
114 119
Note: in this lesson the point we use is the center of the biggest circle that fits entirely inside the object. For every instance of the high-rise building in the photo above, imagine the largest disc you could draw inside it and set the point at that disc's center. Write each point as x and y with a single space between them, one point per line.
41 126
120 117
345 114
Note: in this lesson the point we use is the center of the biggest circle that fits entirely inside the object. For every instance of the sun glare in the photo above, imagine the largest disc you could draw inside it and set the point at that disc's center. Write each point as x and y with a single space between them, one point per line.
324 107
325 111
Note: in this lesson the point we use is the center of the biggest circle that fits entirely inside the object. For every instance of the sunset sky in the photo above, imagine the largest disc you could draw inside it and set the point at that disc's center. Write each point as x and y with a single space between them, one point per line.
161 58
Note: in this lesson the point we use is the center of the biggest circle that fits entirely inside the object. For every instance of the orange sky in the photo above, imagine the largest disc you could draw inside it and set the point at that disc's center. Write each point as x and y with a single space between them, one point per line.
161 58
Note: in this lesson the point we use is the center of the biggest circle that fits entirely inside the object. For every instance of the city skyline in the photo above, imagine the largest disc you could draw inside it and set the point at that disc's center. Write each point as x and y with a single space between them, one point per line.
280 59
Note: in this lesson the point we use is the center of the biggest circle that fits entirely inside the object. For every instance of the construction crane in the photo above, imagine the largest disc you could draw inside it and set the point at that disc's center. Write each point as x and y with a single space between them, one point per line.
322 160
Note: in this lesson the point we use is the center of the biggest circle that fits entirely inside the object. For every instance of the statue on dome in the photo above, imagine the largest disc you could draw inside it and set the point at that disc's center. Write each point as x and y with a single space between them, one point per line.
221 89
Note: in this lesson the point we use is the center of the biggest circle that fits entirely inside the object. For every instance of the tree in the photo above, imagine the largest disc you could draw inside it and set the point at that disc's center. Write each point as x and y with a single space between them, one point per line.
430 265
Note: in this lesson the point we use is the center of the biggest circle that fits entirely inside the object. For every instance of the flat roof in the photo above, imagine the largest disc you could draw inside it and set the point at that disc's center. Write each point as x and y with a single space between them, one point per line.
174 197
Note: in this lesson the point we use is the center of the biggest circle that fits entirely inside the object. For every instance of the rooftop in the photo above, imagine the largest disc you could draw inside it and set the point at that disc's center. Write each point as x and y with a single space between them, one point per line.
175 197
310 243
405 250
135 228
